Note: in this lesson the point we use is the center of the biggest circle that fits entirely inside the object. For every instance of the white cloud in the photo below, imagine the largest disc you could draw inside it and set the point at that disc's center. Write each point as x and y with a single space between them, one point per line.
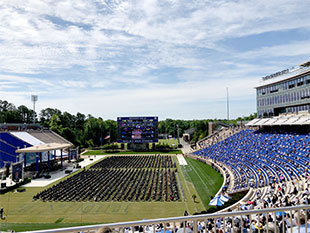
174 100
296 48
133 50
74 84
24 80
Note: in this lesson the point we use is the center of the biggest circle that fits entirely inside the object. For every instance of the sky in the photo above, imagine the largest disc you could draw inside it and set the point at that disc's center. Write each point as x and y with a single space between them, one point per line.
168 58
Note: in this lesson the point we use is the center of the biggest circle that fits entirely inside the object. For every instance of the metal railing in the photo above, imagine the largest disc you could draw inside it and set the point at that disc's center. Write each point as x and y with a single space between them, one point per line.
277 220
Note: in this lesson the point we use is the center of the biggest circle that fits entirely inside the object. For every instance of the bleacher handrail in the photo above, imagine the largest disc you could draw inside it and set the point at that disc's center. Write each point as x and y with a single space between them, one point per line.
193 218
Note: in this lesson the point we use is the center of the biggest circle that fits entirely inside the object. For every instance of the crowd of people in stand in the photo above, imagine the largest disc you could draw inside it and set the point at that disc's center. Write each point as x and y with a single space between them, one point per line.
276 195
283 194
119 178
290 222
243 224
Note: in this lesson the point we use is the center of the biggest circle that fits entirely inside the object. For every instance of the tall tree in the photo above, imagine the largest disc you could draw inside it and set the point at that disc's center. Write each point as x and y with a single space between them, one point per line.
27 115
55 124
93 131
46 115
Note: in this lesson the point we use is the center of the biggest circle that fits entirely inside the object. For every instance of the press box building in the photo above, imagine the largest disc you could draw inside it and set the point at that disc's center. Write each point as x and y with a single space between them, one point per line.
284 92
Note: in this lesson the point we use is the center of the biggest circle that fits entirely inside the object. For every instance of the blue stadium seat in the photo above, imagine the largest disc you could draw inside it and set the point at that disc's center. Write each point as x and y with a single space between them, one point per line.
258 158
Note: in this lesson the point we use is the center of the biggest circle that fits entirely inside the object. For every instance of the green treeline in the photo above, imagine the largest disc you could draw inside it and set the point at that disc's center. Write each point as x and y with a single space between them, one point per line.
86 131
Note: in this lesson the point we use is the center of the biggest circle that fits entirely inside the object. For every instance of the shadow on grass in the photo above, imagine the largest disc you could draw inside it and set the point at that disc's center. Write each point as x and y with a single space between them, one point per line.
59 220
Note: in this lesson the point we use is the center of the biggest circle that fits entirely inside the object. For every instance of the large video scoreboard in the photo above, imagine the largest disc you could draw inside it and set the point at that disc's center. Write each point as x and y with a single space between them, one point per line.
137 129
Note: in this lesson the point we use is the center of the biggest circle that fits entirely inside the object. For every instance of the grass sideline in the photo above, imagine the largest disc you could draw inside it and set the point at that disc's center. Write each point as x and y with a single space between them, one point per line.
207 181
102 152
24 214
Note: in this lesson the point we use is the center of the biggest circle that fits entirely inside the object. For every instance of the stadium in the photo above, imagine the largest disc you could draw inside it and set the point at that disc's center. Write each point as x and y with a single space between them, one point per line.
251 177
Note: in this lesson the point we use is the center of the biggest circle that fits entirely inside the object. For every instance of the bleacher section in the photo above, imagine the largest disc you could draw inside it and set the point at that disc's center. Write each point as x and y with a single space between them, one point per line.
8 145
258 158
10 141
217 136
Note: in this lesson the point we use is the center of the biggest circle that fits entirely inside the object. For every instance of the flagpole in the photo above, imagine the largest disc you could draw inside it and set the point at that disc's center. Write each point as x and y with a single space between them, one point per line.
109 135
101 139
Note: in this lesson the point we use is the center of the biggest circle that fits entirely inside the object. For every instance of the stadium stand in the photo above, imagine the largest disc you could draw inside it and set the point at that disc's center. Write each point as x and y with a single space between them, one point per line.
272 163
8 145
259 158
14 136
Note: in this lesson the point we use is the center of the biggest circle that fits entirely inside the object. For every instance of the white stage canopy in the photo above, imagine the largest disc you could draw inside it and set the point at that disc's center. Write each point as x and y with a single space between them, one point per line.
44 147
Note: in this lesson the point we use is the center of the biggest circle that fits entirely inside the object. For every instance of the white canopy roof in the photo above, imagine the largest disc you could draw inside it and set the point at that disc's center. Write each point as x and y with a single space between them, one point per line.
270 121
44 147
253 121
291 120
281 120
261 121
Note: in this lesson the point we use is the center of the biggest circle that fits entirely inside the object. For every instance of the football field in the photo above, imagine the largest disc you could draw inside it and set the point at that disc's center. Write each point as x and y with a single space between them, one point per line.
23 213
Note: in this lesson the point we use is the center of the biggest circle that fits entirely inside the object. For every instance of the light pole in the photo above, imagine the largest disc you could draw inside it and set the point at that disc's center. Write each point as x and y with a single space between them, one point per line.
34 99
178 134
227 104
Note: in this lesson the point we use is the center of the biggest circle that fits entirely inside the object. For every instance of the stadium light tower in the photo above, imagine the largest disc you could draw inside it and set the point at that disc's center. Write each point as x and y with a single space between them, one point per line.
178 134
227 104
34 99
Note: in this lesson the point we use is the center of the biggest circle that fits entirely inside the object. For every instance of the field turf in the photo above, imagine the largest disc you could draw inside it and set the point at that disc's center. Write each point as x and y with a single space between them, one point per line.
24 214
206 180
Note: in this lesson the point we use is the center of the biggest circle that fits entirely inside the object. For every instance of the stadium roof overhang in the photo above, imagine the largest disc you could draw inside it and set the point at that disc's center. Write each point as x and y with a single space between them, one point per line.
44 147
291 119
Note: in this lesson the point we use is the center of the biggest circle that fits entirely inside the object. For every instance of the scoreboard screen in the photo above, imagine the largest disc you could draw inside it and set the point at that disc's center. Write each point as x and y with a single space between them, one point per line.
137 129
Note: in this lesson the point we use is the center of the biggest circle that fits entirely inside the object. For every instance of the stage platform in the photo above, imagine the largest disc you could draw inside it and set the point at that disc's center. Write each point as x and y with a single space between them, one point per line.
56 175
181 160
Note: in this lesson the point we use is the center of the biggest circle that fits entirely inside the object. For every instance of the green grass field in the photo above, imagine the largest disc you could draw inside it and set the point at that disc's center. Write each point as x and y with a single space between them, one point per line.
25 214
206 180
